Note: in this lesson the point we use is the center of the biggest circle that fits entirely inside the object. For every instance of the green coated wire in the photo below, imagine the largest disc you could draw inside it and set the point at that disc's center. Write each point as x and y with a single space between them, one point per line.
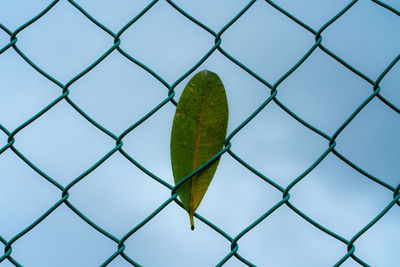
271 96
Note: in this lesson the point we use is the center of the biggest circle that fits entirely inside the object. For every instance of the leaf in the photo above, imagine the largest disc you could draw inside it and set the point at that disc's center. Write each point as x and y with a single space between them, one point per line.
198 134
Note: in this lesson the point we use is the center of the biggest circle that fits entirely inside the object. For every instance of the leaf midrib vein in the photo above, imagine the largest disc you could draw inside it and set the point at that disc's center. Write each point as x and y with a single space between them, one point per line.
195 156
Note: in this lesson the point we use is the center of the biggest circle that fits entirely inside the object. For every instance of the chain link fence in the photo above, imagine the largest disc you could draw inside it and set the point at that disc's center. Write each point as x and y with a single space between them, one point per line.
228 151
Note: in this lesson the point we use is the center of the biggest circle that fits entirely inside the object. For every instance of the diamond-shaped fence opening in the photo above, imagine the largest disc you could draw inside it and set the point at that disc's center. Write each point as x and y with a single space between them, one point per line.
309 175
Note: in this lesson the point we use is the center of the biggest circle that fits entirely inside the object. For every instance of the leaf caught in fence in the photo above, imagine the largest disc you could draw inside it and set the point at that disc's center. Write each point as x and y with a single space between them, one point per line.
198 134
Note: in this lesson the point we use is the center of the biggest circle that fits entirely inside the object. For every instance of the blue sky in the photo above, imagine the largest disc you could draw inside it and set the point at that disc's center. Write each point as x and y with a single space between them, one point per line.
116 93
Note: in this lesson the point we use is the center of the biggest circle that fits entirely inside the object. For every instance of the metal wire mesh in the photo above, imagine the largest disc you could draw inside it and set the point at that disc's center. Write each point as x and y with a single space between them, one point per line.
228 150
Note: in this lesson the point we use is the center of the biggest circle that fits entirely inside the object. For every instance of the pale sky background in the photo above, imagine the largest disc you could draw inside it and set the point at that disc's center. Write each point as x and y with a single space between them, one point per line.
116 93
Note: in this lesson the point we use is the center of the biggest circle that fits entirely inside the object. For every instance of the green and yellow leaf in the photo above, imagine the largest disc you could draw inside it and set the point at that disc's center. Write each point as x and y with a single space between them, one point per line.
198 134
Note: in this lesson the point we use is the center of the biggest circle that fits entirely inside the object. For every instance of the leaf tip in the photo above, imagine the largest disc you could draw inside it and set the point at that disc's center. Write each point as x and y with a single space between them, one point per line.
191 222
